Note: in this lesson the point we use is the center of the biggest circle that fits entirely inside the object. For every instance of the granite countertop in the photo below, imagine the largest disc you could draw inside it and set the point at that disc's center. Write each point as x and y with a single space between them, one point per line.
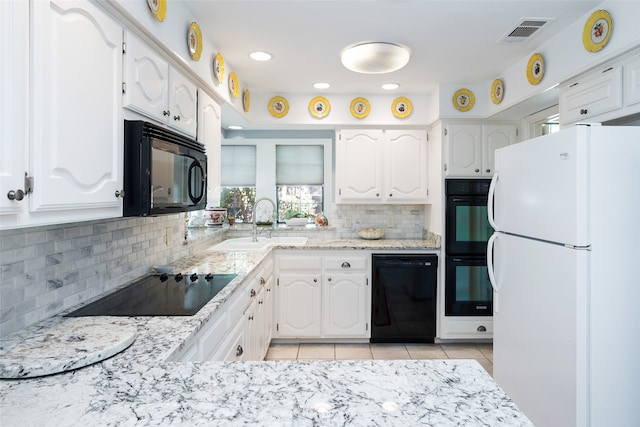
138 387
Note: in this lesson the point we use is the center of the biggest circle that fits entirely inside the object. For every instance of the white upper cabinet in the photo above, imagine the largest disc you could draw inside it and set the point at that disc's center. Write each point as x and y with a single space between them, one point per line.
376 166
14 107
631 83
470 148
209 134
591 95
75 139
155 89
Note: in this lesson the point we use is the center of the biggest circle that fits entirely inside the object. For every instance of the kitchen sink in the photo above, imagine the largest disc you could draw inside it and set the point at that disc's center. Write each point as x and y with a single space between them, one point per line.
159 295
245 243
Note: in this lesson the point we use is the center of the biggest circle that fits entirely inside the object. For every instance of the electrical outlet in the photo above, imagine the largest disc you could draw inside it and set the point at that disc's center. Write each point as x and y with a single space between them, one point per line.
391 222
347 222
169 236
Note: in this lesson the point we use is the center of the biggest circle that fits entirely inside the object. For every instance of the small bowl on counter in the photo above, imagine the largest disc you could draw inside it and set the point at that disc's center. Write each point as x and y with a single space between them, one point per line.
371 233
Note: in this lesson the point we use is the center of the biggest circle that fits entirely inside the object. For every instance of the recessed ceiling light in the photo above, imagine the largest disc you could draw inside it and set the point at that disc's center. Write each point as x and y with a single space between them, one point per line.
375 57
321 85
234 127
260 56
390 86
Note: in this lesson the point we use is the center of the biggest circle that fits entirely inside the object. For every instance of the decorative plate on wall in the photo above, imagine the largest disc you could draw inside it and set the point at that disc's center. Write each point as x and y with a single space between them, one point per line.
360 108
535 69
597 31
246 100
194 41
319 107
497 91
401 107
234 87
278 106
218 68
158 8
463 99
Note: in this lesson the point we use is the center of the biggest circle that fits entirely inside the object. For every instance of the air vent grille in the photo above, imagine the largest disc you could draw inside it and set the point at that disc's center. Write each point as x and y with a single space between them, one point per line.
524 30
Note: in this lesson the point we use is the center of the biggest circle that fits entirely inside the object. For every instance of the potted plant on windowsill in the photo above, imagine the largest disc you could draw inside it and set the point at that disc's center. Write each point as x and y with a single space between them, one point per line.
294 217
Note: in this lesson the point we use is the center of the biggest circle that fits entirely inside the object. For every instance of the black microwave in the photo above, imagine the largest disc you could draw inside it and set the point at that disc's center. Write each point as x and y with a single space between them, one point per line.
164 172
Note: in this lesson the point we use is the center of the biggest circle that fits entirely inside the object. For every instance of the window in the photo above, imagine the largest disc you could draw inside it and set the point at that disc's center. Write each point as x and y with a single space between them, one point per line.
299 180
238 181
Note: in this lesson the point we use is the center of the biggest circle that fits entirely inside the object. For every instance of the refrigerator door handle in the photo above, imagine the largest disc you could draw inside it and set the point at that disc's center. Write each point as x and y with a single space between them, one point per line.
492 276
490 198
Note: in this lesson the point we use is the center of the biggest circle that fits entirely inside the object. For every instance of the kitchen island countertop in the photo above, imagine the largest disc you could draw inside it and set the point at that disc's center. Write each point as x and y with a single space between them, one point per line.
139 387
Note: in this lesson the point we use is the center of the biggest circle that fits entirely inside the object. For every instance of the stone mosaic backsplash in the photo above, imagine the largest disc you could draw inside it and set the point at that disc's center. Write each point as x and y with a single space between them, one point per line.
49 269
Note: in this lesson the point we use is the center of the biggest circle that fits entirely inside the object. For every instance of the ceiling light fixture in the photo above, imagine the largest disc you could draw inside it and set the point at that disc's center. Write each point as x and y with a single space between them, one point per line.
260 56
390 86
375 57
321 85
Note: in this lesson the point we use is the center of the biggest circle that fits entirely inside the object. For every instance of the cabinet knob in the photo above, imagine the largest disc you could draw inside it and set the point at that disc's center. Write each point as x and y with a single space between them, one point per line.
120 194
166 113
176 118
488 171
477 170
262 281
250 317
315 280
16 195
239 351
377 194
253 292
329 279
346 265
390 195
584 111
481 328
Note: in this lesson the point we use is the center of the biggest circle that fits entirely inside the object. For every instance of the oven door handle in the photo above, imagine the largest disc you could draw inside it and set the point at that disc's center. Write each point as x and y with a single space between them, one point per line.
490 198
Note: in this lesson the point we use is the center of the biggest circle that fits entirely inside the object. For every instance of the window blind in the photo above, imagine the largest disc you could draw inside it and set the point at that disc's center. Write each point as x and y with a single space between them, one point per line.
238 166
299 165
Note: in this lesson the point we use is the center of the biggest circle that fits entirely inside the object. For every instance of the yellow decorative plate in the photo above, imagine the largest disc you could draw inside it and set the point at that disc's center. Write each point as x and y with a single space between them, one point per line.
597 31
463 100
194 41
401 107
535 69
497 91
246 100
218 68
278 106
319 107
360 108
158 8
234 87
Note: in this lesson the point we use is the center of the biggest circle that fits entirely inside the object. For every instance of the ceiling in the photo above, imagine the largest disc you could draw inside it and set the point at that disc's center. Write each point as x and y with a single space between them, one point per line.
451 41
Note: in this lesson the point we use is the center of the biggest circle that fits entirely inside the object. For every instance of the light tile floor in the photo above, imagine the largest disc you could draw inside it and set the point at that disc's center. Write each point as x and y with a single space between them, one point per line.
483 353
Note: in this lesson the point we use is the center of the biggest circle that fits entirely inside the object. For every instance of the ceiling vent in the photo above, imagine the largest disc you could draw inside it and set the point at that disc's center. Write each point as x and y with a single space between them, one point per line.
524 30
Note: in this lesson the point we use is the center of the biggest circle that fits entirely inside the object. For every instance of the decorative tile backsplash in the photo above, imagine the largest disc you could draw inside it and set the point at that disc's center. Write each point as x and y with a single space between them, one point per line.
46 270
49 269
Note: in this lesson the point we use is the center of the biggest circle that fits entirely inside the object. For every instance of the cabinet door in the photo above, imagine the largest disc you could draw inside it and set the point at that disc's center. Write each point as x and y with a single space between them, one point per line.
76 143
407 167
299 305
631 85
463 150
494 137
344 305
182 103
147 80
209 127
14 112
359 166
594 95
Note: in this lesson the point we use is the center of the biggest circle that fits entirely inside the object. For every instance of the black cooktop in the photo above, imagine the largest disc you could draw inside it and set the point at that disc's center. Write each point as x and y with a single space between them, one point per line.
159 295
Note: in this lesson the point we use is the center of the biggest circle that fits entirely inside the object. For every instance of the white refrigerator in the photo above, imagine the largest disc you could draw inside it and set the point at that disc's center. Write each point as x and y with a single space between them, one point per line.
564 263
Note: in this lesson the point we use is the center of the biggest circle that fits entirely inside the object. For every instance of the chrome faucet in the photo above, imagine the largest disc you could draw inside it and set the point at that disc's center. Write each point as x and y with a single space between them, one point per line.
254 229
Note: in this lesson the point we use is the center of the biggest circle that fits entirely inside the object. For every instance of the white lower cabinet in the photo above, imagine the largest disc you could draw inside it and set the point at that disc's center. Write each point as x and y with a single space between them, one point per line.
241 330
322 296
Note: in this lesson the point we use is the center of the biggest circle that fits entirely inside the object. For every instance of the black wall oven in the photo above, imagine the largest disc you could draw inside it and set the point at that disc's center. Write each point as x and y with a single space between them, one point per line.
468 291
164 172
